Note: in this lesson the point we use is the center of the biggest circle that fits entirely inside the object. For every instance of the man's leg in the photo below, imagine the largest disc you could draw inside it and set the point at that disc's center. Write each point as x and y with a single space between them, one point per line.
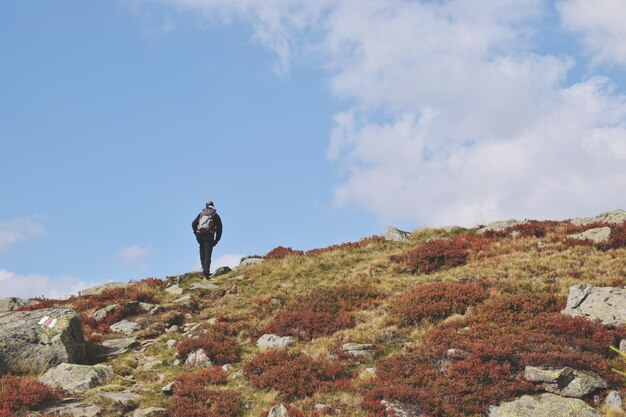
208 251
202 244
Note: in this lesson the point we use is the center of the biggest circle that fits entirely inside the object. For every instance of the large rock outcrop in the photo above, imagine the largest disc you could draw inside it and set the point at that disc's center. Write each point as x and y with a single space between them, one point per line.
615 217
607 304
14 303
34 341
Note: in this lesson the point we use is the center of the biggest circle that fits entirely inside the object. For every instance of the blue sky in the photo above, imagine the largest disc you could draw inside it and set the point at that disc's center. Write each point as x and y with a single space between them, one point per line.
307 122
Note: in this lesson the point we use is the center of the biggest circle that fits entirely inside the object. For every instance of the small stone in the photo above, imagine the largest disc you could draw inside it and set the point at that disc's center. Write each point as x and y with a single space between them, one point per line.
198 359
174 290
227 367
172 329
171 343
151 412
271 341
104 312
203 285
357 349
371 370
212 321
613 401
278 410
183 299
169 388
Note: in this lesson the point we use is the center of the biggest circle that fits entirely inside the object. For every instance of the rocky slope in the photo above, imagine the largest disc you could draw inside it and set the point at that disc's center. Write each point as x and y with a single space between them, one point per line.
515 318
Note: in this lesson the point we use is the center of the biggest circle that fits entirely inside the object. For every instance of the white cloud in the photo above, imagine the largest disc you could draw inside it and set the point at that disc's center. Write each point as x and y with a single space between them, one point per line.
602 25
454 117
133 254
35 285
17 230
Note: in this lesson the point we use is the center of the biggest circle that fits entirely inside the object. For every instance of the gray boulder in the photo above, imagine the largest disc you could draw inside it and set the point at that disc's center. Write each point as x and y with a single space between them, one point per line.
13 303
104 312
607 304
396 409
125 327
613 402
75 410
174 290
251 260
615 217
271 341
499 225
203 285
221 271
544 405
566 382
597 235
114 347
396 235
99 289
122 397
76 378
34 341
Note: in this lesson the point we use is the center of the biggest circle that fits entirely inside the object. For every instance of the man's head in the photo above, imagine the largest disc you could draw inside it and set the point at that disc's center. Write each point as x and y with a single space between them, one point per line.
209 204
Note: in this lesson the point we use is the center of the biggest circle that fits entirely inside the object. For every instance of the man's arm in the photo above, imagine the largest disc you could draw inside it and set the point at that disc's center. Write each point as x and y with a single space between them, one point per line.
218 228
195 223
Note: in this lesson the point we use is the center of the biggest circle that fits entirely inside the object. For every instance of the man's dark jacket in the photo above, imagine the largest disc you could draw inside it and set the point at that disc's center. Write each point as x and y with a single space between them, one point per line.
207 236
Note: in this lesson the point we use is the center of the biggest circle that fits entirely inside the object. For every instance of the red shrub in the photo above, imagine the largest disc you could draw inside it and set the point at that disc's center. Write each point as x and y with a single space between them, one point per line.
293 374
194 385
280 252
207 402
434 255
24 393
152 282
322 312
467 364
617 239
436 301
219 346
347 245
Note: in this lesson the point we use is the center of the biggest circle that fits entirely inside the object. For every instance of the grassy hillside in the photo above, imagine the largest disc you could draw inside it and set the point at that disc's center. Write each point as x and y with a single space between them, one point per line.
453 318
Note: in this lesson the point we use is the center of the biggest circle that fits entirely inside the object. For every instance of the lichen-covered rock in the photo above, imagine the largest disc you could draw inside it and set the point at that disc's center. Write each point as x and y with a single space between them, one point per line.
396 409
566 382
613 402
125 326
74 410
123 397
251 260
76 378
174 290
607 304
615 217
34 341
104 312
221 271
499 225
396 235
271 341
544 405
13 303
597 235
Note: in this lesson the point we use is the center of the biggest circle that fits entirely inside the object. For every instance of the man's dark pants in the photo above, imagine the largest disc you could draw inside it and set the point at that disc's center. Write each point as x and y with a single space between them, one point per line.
206 250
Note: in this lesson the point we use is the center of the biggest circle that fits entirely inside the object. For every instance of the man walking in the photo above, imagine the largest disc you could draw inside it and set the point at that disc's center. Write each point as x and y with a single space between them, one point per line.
208 230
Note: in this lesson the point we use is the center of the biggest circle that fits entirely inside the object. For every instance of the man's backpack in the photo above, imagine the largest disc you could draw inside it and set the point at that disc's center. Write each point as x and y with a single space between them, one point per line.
206 223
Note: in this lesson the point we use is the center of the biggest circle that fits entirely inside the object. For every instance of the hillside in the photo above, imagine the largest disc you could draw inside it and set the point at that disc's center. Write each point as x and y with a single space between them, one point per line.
440 322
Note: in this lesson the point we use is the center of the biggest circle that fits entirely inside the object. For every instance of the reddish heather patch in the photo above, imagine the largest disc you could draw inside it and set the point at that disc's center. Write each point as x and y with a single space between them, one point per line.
281 252
436 301
218 344
322 312
19 394
431 256
293 374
